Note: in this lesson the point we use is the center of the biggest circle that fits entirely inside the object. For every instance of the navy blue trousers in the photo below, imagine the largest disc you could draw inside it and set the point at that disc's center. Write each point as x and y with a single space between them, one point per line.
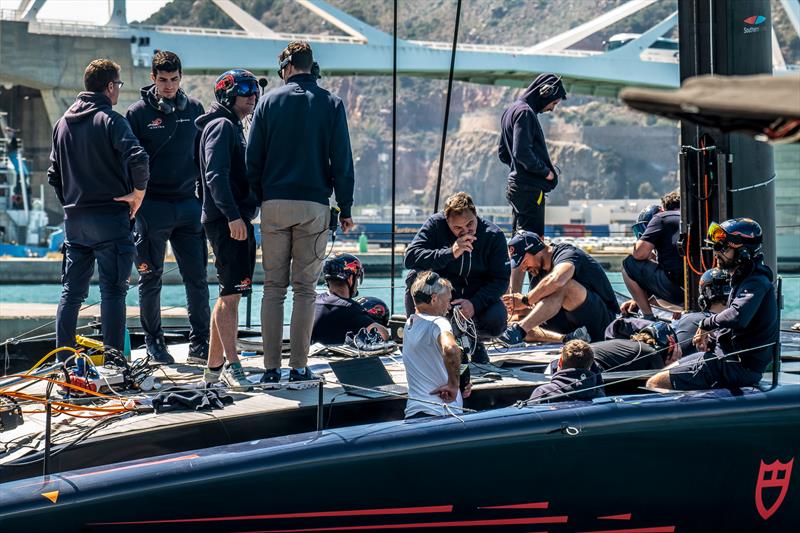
104 235
178 222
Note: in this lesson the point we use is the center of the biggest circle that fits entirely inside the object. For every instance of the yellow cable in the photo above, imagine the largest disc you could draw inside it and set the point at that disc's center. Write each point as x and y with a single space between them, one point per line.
49 354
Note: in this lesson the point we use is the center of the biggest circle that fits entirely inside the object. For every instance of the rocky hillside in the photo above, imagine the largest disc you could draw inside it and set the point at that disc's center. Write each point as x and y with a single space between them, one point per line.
603 149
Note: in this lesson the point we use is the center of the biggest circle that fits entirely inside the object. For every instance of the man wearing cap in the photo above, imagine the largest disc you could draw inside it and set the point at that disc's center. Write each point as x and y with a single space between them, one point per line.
523 149
575 291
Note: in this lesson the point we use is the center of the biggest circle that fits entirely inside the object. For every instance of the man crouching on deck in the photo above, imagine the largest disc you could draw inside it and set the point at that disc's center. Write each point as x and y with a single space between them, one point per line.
431 355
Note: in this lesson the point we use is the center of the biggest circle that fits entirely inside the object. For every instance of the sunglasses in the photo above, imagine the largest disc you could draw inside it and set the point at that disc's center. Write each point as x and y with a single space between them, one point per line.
282 65
432 279
247 88
118 83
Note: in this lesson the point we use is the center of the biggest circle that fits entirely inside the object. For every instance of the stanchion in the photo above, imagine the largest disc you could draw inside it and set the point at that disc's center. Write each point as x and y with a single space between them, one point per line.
48 419
319 405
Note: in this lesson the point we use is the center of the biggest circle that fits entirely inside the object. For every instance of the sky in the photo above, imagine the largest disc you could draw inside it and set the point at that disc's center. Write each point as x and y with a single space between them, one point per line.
95 11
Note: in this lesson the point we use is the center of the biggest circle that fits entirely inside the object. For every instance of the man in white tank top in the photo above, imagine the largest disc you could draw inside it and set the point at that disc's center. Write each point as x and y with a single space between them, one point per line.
430 353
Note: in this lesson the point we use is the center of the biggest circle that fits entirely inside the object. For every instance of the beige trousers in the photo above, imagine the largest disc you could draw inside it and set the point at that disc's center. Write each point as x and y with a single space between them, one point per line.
293 240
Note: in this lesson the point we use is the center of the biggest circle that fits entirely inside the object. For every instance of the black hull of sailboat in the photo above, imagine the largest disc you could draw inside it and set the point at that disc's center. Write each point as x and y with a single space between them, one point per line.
691 462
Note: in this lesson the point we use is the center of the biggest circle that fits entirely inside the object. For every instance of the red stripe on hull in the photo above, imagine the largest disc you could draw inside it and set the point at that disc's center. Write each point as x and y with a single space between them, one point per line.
615 517
536 505
320 514
418 525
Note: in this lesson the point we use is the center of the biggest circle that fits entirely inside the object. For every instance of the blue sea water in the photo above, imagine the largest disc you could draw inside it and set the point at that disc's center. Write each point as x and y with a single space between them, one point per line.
173 295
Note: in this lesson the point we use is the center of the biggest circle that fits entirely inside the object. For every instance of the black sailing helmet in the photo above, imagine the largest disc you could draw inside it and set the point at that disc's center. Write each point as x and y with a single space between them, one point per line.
233 83
644 218
345 267
376 308
742 234
715 286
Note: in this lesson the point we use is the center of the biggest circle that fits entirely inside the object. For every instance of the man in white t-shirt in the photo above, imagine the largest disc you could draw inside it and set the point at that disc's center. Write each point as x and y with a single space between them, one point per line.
430 353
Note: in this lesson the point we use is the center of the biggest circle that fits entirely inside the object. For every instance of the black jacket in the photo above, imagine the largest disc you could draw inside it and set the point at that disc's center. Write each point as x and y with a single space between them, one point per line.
481 276
299 146
751 317
170 141
571 384
225 191
522 145
95 156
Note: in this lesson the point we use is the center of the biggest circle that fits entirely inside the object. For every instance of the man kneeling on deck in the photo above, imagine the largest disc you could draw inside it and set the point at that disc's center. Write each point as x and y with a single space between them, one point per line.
576 377
575 292
430 353
471 253
738 355
335 312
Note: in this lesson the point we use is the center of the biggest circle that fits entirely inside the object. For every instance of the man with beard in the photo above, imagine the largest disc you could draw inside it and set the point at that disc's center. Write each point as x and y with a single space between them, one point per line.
471 253
748 326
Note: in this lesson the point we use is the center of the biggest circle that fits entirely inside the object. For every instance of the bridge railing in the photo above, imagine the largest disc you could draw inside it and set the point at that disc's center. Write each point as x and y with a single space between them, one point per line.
503 49
185 30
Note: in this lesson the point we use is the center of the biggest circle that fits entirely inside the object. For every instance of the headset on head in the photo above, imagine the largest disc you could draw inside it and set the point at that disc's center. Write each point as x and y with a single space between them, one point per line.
547 88
289 61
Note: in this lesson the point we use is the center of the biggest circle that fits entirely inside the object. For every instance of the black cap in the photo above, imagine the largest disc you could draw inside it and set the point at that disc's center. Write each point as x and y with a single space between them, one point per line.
521 243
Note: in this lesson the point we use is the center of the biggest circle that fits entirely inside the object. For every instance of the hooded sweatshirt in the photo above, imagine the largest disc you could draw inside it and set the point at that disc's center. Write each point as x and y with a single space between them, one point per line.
751 317
522 145
95 156
571 384
225 191
299 146
481 276
166 130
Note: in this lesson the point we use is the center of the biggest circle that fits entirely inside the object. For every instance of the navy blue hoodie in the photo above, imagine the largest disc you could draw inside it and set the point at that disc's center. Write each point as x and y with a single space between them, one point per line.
95 156
751 317
225 191
299 146
169 139
522 146
571 384
481 276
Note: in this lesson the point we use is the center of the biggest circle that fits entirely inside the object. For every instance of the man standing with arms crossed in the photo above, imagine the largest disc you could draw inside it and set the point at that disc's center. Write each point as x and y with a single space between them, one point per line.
163 120
99 173
297 155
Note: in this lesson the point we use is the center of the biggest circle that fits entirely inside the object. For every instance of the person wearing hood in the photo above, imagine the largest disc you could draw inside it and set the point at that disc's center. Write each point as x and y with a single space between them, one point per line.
99 172
163 121
471 253
228 208
523 149
736 344
577 376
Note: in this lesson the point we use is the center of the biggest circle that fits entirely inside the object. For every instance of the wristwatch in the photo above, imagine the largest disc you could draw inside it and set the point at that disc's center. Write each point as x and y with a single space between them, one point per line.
524 300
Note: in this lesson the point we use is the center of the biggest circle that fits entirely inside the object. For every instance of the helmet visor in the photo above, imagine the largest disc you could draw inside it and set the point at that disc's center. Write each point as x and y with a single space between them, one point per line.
638 229
717 237
247 88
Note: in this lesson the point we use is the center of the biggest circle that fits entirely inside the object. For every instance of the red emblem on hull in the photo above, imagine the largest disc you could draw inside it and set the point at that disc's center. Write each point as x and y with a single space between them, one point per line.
775 475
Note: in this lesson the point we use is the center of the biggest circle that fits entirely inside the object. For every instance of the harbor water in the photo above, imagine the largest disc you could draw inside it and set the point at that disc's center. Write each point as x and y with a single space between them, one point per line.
174 296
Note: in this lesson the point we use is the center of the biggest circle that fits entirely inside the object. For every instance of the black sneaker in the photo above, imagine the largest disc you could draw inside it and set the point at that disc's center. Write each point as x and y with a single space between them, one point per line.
157 350
480 356
198 353
271 379
301 378
512 337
